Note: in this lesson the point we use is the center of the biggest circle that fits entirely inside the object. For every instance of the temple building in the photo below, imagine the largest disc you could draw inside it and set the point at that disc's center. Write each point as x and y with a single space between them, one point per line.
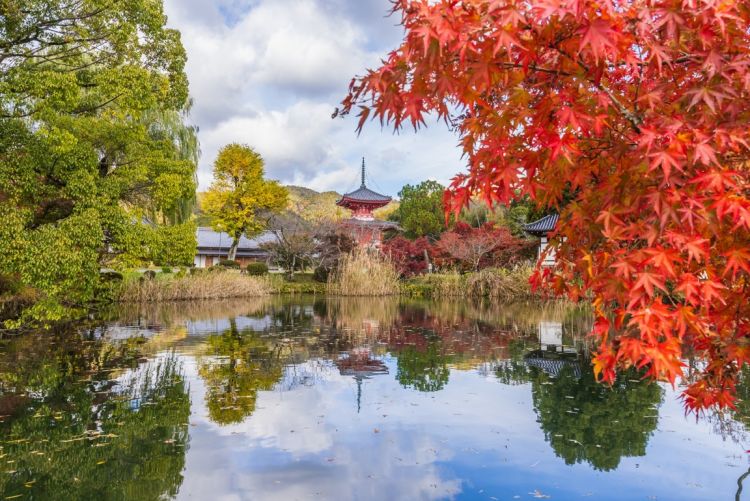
365 229
543 228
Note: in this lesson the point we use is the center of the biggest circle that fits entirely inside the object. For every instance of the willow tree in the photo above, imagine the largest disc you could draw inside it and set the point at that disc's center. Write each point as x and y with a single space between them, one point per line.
240 199
87 89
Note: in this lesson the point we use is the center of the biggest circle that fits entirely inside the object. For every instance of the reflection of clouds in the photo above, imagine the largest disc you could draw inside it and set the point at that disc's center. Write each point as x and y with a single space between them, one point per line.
309 442
220 325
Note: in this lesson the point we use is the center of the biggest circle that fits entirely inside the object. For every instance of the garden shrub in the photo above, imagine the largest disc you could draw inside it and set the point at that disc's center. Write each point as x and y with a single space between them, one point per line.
256 269
228 263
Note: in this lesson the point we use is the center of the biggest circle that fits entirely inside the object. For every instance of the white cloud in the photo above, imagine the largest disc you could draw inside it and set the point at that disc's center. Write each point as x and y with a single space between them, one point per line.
269 73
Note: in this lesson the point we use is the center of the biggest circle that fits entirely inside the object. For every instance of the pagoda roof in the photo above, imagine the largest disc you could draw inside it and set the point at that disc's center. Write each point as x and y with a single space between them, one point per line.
363 195
545 225
366 195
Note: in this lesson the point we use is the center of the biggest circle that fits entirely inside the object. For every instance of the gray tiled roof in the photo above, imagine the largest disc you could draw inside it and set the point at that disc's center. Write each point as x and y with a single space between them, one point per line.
544 225
210 239
365 194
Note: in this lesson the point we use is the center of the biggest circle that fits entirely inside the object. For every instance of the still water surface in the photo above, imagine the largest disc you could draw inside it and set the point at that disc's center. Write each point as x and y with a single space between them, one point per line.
347 399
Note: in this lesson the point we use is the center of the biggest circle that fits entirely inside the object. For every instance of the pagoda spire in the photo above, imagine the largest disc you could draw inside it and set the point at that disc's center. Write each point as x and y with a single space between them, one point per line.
363 172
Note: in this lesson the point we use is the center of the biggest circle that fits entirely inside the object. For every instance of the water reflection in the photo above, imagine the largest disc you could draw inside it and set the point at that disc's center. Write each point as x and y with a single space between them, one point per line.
77 426
330 398
236 366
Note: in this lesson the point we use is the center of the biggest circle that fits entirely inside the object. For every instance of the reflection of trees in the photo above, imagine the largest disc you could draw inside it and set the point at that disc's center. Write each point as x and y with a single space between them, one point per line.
241 365
424 369
585 421
79 435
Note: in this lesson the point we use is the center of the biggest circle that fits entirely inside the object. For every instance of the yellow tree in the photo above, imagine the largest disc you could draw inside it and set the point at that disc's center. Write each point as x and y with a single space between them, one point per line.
239 196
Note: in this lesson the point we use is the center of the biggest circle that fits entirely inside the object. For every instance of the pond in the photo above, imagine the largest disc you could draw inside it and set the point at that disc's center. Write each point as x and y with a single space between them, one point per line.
324 398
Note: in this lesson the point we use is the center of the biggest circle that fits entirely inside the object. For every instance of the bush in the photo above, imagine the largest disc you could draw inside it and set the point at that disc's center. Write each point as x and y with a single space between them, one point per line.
166 269
110 276
321 274
228 263
149 275
9 284
257 269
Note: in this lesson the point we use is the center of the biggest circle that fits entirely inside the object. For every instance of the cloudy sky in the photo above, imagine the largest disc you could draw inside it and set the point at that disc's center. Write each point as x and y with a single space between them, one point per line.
269 73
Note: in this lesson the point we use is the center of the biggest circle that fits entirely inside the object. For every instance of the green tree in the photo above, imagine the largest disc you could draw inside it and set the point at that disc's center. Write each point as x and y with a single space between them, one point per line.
94 153
421 211
239 196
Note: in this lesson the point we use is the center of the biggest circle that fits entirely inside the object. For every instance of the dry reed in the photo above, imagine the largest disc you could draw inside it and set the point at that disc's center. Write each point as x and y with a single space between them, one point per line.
216 285
505 285
364 273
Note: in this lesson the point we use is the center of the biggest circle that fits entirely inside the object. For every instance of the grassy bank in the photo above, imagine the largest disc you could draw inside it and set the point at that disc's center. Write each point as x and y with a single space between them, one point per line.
214 285
501 284
362 274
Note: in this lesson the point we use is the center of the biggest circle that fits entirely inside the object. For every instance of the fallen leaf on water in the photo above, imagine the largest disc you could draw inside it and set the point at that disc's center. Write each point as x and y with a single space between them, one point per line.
538 494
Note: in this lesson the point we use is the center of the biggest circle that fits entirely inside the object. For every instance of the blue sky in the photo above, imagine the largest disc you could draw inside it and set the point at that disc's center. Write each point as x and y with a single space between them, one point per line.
269 73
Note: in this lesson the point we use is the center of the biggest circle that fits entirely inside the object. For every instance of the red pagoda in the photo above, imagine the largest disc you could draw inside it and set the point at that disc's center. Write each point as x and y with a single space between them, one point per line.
363 226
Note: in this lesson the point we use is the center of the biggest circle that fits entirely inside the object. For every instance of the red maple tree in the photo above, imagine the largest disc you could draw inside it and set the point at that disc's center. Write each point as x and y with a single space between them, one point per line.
475 248
411 257
629 118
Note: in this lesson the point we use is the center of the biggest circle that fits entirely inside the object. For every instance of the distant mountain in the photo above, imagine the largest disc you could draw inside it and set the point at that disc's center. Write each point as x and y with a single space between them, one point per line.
313 205
310 205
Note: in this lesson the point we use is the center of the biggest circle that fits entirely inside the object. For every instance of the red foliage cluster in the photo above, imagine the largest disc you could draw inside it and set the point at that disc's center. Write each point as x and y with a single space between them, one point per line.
476 248
409 255
464 247
630 119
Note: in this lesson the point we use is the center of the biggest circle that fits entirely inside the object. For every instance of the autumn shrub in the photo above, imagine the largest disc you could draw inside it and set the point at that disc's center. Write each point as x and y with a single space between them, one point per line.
410 257
256 269
472 249
201 286
364 273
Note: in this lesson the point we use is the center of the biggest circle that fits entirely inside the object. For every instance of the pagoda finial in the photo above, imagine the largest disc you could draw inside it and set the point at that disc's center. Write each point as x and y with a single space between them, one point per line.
363 172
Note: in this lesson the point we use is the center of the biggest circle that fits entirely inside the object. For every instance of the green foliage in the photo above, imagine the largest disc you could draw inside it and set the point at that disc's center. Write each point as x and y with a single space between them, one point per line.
229 263
239 195
256 269
93 148
513 216
421 211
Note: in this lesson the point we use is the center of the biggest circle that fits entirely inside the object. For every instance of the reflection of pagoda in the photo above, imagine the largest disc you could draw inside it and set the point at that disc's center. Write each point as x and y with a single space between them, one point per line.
360 364
365 229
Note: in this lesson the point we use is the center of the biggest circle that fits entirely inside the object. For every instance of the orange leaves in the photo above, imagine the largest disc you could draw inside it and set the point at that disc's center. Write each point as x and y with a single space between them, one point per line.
629 122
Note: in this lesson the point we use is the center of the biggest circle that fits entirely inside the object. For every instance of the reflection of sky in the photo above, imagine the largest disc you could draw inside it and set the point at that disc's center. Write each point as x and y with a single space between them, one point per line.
212 326
475 439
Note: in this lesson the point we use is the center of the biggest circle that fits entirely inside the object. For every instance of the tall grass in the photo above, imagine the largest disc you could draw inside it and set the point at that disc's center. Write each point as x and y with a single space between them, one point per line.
501 284
215 285
364 273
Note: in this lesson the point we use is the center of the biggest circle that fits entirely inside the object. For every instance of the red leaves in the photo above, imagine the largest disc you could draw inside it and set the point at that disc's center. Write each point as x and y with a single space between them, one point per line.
598 36
632 124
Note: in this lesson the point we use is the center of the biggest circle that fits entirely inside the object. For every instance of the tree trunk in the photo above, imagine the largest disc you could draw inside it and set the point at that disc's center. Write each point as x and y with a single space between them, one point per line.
233 249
